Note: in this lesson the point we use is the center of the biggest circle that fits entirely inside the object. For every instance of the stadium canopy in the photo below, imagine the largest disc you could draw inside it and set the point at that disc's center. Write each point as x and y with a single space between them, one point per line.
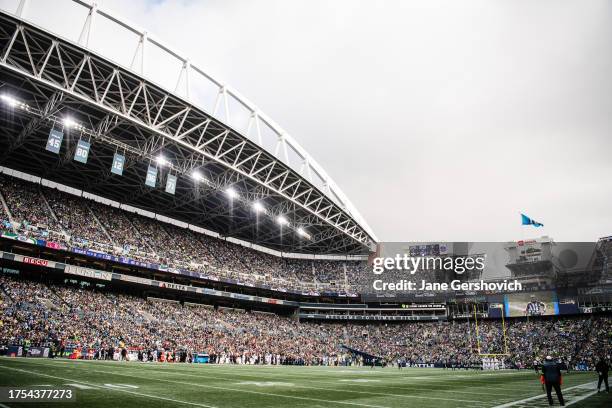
110 88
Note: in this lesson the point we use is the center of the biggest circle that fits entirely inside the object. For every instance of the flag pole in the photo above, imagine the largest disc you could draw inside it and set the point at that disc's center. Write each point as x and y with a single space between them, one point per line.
522 232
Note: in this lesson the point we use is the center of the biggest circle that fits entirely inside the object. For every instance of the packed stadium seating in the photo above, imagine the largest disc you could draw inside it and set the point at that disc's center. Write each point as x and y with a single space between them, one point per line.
71 316
37 211
36 313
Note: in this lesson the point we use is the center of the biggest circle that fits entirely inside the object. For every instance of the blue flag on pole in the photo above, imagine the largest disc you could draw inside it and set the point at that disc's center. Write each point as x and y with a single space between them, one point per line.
525 220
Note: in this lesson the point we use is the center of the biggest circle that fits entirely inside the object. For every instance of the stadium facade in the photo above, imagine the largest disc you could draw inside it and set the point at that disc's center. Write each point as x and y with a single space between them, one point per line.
152 135
122 175
251 176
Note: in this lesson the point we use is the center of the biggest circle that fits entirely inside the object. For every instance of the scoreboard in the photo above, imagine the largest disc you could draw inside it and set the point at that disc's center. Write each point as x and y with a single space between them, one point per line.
428 250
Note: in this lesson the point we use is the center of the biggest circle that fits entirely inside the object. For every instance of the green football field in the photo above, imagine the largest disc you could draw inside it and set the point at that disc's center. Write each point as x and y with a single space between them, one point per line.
132 384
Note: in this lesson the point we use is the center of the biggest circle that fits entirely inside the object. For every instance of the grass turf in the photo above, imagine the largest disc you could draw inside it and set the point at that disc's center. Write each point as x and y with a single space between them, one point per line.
131 384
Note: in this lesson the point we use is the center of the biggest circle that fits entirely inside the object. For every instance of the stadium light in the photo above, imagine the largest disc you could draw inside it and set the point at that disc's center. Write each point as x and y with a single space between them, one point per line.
303 233
13 102
231 193
281 220
258 207
197 176
70 123
161 160
9 100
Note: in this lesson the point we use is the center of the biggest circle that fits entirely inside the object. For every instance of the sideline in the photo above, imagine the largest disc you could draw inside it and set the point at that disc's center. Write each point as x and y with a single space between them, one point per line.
573 401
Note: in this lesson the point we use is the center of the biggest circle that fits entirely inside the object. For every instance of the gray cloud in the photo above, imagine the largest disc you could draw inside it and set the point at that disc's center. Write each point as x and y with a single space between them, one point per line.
441 120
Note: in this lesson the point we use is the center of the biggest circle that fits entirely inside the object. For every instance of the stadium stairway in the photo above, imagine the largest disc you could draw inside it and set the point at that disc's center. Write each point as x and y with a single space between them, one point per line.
7 211
48 304
100 225
148 317
139 235
53 214
61 299
221 322
6 293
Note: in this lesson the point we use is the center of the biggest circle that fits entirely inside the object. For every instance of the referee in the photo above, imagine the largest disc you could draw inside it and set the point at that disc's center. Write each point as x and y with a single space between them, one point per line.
551 375
602 370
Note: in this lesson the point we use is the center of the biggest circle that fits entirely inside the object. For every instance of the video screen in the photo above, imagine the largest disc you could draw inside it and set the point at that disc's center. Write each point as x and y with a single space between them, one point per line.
427 250
531 304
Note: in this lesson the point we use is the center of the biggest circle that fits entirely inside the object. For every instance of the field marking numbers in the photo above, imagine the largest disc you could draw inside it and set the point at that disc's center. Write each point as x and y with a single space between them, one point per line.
194 384
291 396
266 383
80 386
121 386
182 372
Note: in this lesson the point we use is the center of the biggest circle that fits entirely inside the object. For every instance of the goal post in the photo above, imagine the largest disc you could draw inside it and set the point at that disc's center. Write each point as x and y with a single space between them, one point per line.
504 334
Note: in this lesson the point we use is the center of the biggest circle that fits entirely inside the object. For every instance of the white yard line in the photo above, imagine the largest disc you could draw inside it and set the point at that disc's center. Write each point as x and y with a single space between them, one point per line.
582 397
241 390
232 375
182 373
197 385
107 388
430 382
420 386
513 403
427 382
183 369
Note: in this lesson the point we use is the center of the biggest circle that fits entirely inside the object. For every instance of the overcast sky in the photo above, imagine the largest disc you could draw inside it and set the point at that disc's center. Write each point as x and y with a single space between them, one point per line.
440 120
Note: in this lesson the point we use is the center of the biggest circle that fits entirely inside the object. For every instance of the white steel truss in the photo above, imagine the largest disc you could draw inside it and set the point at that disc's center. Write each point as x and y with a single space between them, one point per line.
167 118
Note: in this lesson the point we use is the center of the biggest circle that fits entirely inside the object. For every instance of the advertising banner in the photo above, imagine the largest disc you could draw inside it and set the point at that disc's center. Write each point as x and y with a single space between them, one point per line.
38 352
88 273
14 351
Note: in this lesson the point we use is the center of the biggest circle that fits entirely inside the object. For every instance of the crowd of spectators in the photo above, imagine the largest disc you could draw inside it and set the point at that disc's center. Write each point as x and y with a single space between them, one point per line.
574 340
85 318
90 318
71 317
77 218
28 208
72 221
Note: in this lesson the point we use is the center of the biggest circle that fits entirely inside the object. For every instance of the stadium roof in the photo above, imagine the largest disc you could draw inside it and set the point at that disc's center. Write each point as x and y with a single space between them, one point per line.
158 110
